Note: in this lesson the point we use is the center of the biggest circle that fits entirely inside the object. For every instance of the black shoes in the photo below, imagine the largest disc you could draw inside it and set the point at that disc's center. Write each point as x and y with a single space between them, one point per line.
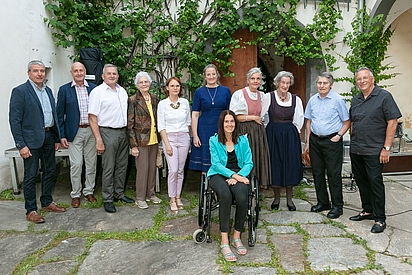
109 207
378 227
362 216
274 206
124 199
335 212
320 208
292 207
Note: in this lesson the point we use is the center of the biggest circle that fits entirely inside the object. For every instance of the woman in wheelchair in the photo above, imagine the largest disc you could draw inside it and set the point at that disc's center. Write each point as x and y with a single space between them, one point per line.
231 163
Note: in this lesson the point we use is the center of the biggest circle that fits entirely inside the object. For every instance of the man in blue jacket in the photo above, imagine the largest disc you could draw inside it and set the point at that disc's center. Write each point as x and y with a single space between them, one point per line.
76 134
33 123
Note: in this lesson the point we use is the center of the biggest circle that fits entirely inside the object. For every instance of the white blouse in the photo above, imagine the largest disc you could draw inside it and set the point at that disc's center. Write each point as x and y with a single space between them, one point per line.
173 120
238 102
298 117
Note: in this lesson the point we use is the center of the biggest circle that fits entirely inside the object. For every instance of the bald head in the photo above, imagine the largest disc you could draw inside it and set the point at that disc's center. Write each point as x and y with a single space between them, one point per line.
78 72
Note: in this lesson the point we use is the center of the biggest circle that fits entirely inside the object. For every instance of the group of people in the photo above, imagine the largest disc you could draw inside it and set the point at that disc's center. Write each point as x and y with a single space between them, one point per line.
230 140
372 119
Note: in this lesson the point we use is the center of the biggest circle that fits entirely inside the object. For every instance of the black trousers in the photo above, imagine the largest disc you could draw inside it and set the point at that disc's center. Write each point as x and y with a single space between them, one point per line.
327 155
226 193
368 176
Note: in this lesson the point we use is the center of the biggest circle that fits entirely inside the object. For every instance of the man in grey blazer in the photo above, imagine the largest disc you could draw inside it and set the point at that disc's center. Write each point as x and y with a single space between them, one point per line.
33 124
76 134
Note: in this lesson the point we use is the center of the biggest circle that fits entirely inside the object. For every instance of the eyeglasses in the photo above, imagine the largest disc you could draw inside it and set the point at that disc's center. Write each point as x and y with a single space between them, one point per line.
175 106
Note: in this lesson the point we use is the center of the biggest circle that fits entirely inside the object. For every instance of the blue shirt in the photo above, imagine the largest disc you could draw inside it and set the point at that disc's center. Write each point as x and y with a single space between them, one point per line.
326 114
45 104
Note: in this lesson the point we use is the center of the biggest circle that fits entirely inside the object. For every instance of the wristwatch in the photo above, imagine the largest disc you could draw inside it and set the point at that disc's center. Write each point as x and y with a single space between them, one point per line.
387 148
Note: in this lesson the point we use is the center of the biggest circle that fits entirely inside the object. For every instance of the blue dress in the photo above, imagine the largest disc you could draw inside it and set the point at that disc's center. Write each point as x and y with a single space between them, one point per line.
210 102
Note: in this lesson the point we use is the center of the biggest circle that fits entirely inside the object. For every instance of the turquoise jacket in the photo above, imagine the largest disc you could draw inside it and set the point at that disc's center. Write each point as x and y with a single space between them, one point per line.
218 154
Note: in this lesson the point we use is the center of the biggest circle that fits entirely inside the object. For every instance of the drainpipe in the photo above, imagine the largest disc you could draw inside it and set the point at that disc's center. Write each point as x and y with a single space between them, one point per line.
360 6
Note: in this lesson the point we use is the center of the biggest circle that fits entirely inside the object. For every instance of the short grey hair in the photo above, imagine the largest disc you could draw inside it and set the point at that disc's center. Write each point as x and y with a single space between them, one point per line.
281 74
142 74
253 71
110 66
35 62
327 75
211 66
363 68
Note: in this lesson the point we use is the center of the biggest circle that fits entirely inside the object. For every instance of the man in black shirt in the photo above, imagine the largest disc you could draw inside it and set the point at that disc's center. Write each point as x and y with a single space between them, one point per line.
374 118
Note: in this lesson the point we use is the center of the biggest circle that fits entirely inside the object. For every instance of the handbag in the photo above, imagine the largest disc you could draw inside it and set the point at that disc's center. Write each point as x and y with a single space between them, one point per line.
159 158
306 159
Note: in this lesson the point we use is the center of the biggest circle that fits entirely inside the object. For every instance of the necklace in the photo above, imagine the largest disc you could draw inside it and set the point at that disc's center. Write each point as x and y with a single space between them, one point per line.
253 95
212 98
175 106
147 98
283 98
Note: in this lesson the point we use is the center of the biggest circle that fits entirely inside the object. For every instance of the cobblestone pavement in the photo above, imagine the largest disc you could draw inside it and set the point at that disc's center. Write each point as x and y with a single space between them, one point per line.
155 241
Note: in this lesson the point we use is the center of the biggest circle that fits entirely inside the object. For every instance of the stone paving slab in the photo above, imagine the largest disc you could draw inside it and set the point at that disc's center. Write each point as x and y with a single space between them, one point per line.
370 272
289 247
260 253
15 249
376 242
184 226
244 270
56 268
98 220
400 244
14 213
335 253
282 229
261 235
283 217
68 249
322 230
393 265
160 258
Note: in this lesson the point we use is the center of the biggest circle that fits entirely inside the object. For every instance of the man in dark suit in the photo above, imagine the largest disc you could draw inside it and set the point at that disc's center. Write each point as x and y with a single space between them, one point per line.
33 123
76 134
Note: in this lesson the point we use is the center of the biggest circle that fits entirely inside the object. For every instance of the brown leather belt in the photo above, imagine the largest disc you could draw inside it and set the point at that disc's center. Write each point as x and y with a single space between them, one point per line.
46 129
84 126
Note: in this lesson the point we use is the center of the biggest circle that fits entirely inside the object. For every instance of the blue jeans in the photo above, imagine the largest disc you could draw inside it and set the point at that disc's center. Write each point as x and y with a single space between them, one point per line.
46 155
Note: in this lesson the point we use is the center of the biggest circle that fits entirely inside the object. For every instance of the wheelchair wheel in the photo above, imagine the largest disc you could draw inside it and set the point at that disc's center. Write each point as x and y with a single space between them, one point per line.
201 212
253 212
199 236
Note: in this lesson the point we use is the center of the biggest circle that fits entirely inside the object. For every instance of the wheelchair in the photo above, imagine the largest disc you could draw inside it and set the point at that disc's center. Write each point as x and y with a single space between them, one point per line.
208 203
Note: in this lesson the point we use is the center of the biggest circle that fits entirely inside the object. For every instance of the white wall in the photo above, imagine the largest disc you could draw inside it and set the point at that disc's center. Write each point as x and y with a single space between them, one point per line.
25 36
399 52
305 16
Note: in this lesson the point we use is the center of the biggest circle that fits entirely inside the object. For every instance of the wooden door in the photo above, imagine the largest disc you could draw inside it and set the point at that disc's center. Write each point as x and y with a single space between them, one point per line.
299 72
299 87
243 59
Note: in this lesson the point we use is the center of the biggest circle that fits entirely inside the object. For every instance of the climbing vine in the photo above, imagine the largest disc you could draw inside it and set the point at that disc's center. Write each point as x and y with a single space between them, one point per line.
368 42
179 37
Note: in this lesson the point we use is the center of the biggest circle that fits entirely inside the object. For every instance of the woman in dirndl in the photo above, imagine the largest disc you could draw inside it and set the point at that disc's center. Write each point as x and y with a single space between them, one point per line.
285 121
249 105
